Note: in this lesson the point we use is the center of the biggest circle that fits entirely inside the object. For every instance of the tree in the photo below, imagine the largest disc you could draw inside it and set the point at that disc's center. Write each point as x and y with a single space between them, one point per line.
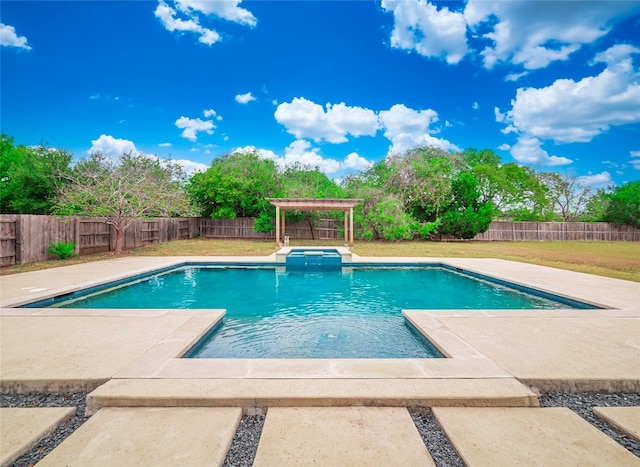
514 191
467 215
624 205
120 191
29 177
567 194
237 185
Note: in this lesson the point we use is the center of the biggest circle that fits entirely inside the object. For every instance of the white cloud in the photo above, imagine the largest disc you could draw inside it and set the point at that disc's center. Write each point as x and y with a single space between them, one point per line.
600 180
168 18
245 98
9 38
635 159
568 111
431 32
227 9
188 14
301 152
356 162
192 126
515 76
529 151
407 128
165 145
306 119
475 106
534 35
209 113
504 147
111 147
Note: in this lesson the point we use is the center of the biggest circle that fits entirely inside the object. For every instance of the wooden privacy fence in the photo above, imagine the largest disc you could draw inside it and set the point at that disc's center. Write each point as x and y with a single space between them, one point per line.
25 238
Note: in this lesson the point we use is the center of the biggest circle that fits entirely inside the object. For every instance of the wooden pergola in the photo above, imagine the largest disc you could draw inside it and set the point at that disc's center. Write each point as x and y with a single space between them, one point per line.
314 204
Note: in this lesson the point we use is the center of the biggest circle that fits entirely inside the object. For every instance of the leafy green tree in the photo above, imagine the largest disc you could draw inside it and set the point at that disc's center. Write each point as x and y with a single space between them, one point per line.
120 191
513 190
467 215
596 207
29 177
624 205
237 185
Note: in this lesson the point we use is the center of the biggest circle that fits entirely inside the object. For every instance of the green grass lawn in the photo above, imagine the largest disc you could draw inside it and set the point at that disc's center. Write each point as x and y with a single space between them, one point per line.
611 259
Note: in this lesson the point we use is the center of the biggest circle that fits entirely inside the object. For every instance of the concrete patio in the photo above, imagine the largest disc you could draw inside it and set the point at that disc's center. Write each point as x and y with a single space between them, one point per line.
497 361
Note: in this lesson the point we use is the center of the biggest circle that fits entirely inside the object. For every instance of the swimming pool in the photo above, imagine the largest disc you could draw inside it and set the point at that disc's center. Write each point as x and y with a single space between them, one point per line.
348 313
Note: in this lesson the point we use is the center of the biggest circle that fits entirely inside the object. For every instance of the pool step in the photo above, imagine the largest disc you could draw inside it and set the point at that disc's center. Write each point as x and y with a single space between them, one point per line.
313 259
252 394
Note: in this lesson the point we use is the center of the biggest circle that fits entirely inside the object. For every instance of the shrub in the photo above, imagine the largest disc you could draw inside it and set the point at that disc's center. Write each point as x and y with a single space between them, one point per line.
62 250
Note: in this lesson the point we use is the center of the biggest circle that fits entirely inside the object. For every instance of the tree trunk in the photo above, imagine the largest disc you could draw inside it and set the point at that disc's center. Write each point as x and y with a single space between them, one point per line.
119 240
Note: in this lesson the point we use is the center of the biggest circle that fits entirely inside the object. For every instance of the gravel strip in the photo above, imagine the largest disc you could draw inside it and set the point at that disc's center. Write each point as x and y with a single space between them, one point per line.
34 400
437 442
245 442
583 404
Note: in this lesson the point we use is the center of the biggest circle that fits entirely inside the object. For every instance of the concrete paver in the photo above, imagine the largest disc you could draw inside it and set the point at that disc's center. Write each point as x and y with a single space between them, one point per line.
555 353
22 428
74 352
333 436
149 436
625 419
529 437
261 393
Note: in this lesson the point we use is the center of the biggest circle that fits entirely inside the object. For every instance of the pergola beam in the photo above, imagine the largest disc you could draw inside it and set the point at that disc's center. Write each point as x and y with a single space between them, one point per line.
314 204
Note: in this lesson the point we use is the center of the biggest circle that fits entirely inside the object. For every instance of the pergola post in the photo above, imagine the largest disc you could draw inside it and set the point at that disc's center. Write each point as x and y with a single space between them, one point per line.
283 232
277 226
351 226
346 229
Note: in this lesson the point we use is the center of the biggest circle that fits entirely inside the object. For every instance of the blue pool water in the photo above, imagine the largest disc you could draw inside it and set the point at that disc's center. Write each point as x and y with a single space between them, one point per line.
350 313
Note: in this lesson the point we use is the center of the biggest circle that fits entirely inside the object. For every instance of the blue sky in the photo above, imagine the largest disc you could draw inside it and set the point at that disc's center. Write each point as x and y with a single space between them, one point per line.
337 84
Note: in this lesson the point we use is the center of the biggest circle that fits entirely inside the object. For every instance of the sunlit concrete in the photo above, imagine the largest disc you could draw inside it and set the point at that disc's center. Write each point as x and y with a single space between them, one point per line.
22 428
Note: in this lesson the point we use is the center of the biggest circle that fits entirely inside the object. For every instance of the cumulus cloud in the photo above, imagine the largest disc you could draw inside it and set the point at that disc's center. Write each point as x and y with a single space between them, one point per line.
431 32
164 145
407 128
227 9
356 162
187 15
301 152
9 38
245 98
192 126
529 150
112 147
568 111
635 159
306 119
601 180
527 34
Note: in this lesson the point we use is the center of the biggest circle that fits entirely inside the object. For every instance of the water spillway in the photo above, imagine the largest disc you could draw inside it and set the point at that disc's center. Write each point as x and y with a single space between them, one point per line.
313 259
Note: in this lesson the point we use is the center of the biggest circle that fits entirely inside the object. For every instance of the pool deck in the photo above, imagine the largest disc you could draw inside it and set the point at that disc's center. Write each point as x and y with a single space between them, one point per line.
498 361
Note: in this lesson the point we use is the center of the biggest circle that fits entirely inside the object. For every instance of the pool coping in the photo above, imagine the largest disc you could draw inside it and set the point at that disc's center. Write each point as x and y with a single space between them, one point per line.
162 360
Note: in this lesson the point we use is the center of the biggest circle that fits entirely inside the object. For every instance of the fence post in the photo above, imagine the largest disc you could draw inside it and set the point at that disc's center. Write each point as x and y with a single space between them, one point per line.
18 243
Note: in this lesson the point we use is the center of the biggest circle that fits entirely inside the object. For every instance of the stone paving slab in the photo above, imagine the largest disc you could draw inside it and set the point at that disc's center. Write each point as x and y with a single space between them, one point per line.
261 393
334 436
22 428
74 352
149 436
586 353
625 419
529 437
